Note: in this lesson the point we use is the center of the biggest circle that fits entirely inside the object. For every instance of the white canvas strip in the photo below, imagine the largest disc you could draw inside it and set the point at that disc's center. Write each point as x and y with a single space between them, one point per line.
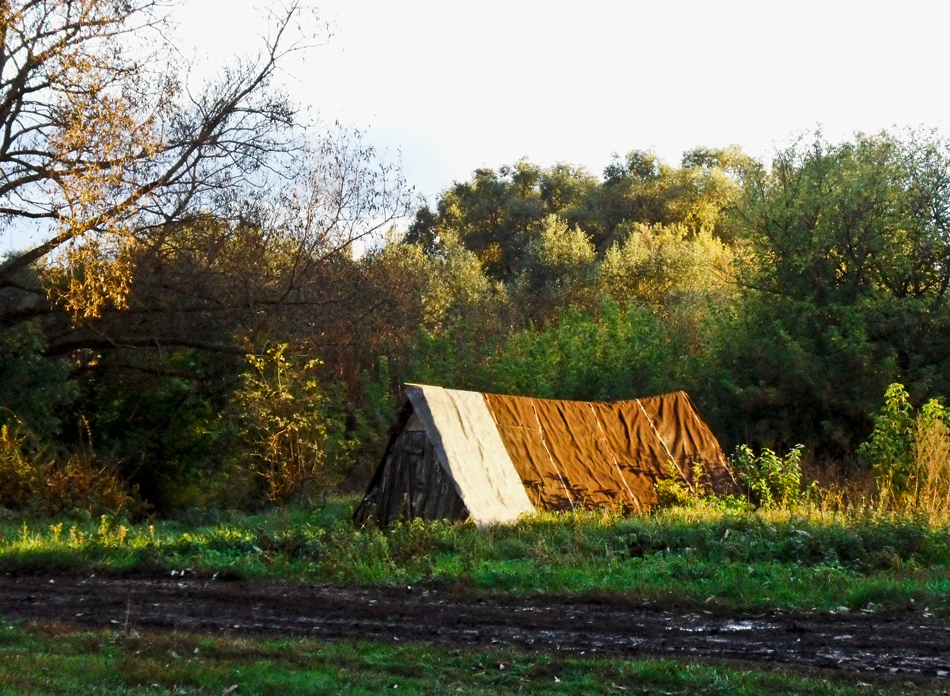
467 444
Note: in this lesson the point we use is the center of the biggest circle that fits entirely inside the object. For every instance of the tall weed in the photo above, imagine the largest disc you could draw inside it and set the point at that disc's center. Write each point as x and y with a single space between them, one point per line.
932 460
909 454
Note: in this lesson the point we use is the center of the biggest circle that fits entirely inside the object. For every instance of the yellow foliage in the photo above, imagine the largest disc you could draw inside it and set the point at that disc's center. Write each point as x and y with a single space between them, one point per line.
283 412
932 461
100 146
658 264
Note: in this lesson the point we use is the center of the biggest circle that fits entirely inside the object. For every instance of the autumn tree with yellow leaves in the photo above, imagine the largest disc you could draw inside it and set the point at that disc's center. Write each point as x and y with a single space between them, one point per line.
101 143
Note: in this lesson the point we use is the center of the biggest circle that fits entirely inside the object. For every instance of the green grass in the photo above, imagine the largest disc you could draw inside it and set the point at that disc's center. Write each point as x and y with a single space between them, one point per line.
54 660
751 560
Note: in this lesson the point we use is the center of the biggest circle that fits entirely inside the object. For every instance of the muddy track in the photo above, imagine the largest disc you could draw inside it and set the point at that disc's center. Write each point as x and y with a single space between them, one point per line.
900 645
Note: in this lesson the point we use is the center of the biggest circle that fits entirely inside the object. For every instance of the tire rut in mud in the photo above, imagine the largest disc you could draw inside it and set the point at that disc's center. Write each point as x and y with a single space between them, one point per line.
901 645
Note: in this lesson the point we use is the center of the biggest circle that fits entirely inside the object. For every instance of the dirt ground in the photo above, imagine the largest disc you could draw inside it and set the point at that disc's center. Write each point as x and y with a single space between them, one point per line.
901 645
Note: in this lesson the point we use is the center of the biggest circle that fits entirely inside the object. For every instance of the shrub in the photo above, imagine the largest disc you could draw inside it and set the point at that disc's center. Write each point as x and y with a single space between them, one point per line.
373 422
674 491
769 480
34 388
889 450
288 423
617 354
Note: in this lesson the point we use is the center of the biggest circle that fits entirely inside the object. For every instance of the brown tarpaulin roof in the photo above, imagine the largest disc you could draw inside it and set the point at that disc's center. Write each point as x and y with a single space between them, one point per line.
583 454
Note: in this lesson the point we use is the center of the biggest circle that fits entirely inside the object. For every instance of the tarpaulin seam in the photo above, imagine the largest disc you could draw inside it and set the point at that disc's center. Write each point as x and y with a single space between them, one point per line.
613 455
547 451
668 453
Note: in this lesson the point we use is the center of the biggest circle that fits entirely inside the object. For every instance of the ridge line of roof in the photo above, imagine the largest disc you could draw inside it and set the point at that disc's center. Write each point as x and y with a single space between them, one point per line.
542 398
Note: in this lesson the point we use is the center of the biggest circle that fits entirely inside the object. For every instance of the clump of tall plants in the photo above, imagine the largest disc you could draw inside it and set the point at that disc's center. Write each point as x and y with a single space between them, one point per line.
909 454
36 480
770 480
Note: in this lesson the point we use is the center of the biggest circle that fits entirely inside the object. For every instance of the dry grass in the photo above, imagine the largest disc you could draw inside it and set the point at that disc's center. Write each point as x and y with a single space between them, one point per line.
37 481
932 464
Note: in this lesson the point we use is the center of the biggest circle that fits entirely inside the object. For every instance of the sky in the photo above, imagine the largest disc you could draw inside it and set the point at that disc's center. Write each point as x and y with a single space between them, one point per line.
454 86
448 87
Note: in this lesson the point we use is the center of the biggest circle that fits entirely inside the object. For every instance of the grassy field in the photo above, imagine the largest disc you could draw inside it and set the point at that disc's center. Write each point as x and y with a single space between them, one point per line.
56 660
745 560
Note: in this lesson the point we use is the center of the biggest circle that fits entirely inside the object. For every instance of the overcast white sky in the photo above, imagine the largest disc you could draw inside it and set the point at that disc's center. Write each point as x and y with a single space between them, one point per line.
461 85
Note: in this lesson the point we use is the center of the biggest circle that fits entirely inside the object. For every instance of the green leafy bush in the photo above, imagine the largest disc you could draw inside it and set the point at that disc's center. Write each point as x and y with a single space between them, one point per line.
373 421
32 387
769 479
889 450
164 419
673 492
619 354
